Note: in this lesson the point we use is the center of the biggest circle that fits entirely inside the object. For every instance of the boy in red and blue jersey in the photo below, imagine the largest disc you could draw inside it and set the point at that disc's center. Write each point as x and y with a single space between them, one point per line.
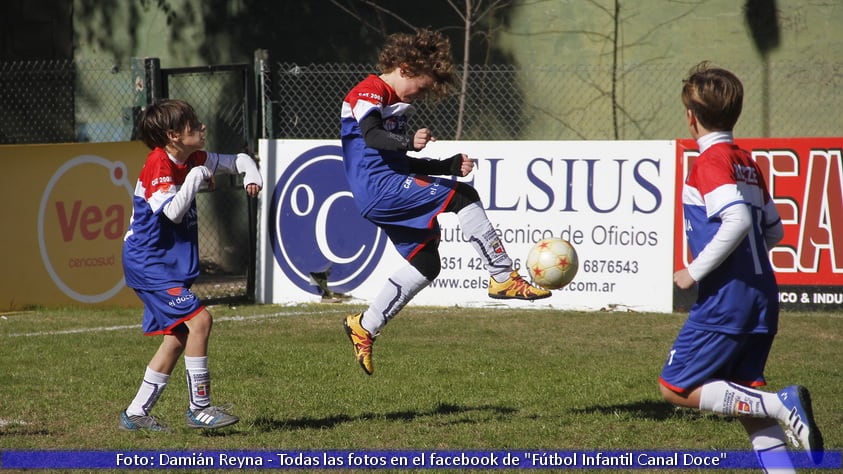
404 195
161 258
730 220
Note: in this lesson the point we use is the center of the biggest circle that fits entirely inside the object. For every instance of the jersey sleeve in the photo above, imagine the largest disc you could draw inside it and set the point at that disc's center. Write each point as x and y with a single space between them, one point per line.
715 181
377 137
380 116
368 96
235 164
158 180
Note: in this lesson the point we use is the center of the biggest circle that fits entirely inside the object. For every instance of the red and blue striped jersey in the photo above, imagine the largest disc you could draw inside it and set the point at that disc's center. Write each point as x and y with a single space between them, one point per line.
740 295
159 254
372 173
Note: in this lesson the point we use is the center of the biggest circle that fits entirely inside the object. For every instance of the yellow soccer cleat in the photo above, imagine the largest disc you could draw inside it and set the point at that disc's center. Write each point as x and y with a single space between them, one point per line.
361 340
516 287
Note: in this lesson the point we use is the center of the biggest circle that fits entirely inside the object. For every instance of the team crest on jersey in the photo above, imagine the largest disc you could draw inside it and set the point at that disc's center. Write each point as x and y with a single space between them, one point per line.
391 124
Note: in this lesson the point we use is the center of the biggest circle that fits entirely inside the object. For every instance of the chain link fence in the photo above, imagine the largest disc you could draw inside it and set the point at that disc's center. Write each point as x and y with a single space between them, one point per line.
227 227
79 101
505 102
304 102
98 101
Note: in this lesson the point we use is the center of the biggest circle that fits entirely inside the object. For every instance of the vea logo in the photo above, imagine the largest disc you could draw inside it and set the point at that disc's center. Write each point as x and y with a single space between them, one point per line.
82 217
315 227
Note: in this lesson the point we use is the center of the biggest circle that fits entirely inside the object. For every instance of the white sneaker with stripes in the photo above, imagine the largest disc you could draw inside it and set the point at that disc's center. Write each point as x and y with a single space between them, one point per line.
210 417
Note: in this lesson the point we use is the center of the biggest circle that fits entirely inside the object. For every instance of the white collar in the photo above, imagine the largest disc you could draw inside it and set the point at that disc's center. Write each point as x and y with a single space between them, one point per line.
713 138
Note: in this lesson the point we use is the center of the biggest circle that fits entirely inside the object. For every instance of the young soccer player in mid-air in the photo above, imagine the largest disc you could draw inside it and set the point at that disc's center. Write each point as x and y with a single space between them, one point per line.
398 192
719 356
161 259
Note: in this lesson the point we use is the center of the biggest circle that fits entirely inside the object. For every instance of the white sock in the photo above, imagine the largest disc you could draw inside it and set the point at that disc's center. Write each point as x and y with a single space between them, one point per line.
150 389
726 398
770 446
482 236
399 289
198 381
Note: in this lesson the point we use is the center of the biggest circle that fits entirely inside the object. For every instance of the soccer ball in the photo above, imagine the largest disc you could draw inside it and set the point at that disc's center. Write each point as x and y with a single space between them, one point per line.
552 263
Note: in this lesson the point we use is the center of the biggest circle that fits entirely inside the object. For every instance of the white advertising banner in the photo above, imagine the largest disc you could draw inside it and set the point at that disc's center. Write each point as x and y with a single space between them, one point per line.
613 200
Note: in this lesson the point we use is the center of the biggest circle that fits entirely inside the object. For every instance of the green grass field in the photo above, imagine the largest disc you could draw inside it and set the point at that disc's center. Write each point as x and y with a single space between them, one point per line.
445 378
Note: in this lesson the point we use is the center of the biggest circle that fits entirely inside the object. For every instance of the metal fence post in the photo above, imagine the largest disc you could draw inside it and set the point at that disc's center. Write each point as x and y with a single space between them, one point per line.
265 96
146 75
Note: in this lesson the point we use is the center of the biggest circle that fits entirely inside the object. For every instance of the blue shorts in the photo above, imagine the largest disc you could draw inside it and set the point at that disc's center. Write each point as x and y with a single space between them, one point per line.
408 217
699 356
165 311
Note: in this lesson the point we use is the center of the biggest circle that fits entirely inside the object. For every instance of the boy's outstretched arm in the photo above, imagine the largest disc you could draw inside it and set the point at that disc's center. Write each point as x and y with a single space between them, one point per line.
252 180
178 205
237 164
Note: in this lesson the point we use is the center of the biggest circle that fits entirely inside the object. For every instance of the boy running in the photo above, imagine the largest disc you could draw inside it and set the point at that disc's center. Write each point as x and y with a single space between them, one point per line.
719 356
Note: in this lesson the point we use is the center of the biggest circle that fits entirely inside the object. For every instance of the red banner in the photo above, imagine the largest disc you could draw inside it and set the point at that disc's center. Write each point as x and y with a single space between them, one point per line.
805 178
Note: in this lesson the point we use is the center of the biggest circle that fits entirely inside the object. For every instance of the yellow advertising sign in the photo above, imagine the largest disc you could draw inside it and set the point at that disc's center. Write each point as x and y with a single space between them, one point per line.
66 209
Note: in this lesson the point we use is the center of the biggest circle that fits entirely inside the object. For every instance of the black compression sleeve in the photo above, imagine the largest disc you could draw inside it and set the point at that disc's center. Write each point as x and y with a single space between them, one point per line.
447 167
376 137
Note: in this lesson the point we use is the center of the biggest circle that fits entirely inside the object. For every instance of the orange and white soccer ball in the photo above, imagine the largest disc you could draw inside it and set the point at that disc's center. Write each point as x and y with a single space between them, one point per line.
552 263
